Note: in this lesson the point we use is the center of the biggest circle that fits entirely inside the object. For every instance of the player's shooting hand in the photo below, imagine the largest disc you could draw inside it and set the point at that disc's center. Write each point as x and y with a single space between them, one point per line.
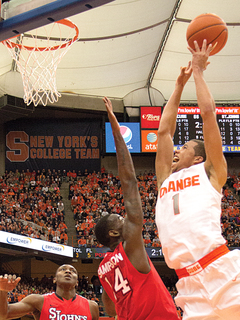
8 282
200 56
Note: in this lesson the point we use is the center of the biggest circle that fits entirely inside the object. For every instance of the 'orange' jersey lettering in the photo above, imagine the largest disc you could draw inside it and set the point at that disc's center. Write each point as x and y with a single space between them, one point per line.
180 185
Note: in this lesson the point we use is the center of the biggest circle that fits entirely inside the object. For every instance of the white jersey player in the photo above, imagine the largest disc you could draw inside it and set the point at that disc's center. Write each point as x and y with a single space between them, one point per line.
188 207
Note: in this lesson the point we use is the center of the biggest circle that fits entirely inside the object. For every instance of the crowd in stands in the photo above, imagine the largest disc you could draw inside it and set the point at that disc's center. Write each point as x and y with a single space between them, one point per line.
230 218
31 204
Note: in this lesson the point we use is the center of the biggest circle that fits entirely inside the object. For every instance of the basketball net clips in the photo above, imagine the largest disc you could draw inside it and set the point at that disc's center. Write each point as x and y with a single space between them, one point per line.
37 63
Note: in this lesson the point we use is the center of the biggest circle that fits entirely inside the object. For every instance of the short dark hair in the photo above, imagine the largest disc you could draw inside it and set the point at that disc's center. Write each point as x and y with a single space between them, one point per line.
199 149
101 230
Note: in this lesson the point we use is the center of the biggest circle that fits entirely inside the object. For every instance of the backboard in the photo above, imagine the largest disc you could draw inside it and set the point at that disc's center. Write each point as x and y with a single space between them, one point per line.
19 16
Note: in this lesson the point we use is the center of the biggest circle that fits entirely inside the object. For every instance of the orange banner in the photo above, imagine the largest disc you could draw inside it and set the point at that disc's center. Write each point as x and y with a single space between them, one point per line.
149 140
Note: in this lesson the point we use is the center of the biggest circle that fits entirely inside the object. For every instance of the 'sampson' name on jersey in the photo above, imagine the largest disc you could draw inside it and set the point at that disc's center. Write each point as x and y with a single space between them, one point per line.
57 315
109 265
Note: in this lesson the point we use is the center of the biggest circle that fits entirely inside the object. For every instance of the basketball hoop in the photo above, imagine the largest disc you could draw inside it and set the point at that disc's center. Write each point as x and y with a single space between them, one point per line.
37 59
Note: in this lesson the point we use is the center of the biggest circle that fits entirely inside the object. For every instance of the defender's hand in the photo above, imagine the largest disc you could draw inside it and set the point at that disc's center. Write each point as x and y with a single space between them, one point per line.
8 282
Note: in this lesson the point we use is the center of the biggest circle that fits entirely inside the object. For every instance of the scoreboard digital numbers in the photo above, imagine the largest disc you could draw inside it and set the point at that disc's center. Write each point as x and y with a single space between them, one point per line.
189 126
99 253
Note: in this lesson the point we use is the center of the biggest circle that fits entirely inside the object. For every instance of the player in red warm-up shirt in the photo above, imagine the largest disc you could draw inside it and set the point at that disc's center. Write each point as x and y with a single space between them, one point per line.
62 304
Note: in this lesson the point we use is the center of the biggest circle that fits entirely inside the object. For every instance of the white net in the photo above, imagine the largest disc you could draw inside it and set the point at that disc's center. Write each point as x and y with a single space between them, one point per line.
37 55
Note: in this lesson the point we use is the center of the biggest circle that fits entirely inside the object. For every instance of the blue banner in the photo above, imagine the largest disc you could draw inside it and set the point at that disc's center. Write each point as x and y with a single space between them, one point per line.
130 133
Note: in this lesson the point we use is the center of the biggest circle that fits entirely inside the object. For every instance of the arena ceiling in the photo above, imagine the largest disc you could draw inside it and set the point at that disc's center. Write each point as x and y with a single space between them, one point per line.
132 51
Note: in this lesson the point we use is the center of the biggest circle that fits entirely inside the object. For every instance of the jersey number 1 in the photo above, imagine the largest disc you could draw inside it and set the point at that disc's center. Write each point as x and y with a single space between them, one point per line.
176 203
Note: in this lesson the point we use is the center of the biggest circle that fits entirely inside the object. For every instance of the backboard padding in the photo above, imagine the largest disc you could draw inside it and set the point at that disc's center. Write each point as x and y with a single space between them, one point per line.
43 15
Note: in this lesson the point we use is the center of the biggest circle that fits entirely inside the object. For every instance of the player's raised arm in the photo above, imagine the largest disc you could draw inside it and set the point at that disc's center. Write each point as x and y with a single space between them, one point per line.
167 128
132 200
132 228
215 164
18 309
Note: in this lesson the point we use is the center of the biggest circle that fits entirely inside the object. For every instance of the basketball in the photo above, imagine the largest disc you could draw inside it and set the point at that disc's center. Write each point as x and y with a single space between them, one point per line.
210 27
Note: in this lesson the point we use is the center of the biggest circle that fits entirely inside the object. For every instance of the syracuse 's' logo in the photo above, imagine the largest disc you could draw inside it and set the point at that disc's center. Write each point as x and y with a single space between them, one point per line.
19 151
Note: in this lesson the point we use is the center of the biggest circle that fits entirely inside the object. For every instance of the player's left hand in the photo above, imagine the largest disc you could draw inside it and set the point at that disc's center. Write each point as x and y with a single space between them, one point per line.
185 74
8 282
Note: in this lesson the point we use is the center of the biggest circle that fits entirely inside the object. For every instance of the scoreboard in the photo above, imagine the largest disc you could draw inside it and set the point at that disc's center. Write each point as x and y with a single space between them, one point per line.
143 137
99 253
189 126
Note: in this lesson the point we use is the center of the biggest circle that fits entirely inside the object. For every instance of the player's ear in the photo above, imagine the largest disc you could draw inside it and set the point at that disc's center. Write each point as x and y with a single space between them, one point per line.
113 233
198 159
76 286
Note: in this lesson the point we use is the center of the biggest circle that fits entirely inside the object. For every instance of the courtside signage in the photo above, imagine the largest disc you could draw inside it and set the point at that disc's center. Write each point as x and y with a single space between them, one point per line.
131 134
35 244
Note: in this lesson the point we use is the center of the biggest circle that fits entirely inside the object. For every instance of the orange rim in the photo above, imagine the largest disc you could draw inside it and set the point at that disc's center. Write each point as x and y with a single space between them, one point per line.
65 22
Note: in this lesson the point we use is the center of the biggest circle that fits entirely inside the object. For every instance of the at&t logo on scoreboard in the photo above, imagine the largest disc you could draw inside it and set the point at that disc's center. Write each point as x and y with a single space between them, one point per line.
149 140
